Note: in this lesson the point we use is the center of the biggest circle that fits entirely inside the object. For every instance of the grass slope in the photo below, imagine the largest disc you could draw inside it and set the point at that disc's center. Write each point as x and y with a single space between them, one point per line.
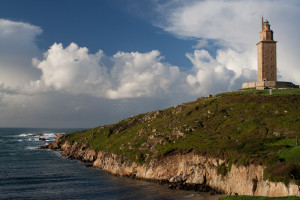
242 127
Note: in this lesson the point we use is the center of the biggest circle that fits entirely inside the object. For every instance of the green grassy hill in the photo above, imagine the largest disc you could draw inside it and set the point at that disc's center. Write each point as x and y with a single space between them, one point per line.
242 127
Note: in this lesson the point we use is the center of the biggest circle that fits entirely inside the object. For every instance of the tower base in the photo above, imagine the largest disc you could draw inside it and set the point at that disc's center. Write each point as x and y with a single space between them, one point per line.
269 84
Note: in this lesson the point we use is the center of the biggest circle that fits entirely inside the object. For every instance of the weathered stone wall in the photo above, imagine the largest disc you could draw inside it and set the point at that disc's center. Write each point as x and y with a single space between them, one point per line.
249 85
286 84
270 84
264 84
266 61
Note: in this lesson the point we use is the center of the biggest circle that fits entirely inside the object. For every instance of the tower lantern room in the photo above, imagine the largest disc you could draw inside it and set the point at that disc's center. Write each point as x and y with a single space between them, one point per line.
266 33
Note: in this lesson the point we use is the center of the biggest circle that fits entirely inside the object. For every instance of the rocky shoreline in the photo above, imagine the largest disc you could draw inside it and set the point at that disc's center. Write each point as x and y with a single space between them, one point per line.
181 171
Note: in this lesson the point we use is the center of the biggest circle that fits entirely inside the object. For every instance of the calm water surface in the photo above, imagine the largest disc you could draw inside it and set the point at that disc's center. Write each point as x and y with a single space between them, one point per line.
29 173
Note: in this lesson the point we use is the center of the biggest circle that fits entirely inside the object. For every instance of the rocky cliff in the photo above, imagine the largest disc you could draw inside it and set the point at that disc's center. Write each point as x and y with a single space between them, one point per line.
183 171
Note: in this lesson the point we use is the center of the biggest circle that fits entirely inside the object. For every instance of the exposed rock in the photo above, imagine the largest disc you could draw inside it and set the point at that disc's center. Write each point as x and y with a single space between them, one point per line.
177 109
44 147
278 134
178 134
184 171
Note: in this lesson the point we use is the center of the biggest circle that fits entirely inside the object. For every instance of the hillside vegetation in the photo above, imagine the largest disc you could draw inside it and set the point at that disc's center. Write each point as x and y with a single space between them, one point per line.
242 127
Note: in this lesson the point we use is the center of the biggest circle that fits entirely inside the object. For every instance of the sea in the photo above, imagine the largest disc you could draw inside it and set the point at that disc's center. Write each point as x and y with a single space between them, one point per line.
27 172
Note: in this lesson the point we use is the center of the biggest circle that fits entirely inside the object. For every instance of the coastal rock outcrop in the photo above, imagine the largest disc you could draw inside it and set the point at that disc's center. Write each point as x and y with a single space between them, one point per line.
183 171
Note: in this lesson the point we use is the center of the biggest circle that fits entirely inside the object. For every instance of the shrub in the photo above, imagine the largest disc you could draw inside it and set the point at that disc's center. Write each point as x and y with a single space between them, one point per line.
282 172
222 170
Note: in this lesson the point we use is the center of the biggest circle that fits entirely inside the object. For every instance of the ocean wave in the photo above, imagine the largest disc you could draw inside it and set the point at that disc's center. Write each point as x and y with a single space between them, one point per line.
33 139
31 148
38 136
22 135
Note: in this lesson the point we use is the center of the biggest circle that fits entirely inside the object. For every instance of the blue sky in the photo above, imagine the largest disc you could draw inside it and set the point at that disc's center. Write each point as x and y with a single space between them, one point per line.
87 63
110 25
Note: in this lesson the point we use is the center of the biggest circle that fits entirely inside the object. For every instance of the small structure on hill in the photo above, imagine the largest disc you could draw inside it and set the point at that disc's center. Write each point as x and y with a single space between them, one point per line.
266 62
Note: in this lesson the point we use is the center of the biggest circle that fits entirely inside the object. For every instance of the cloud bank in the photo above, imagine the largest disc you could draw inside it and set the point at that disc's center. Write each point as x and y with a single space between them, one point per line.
124 75
75 71
18 46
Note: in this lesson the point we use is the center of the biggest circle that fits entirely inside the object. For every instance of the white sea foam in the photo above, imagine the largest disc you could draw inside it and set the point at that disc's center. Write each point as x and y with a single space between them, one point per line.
39 136
22 135
50 134
31 148
33 139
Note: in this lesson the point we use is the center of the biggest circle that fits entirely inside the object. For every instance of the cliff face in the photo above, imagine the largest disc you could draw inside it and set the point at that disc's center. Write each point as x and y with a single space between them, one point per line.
183 171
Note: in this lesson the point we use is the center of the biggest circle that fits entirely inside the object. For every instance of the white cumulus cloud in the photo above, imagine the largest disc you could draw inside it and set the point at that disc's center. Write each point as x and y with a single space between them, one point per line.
72 70
216 74
142 74
75 71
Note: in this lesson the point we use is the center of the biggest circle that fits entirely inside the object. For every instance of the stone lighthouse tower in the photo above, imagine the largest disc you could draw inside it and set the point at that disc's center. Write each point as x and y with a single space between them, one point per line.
266 62
266 55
